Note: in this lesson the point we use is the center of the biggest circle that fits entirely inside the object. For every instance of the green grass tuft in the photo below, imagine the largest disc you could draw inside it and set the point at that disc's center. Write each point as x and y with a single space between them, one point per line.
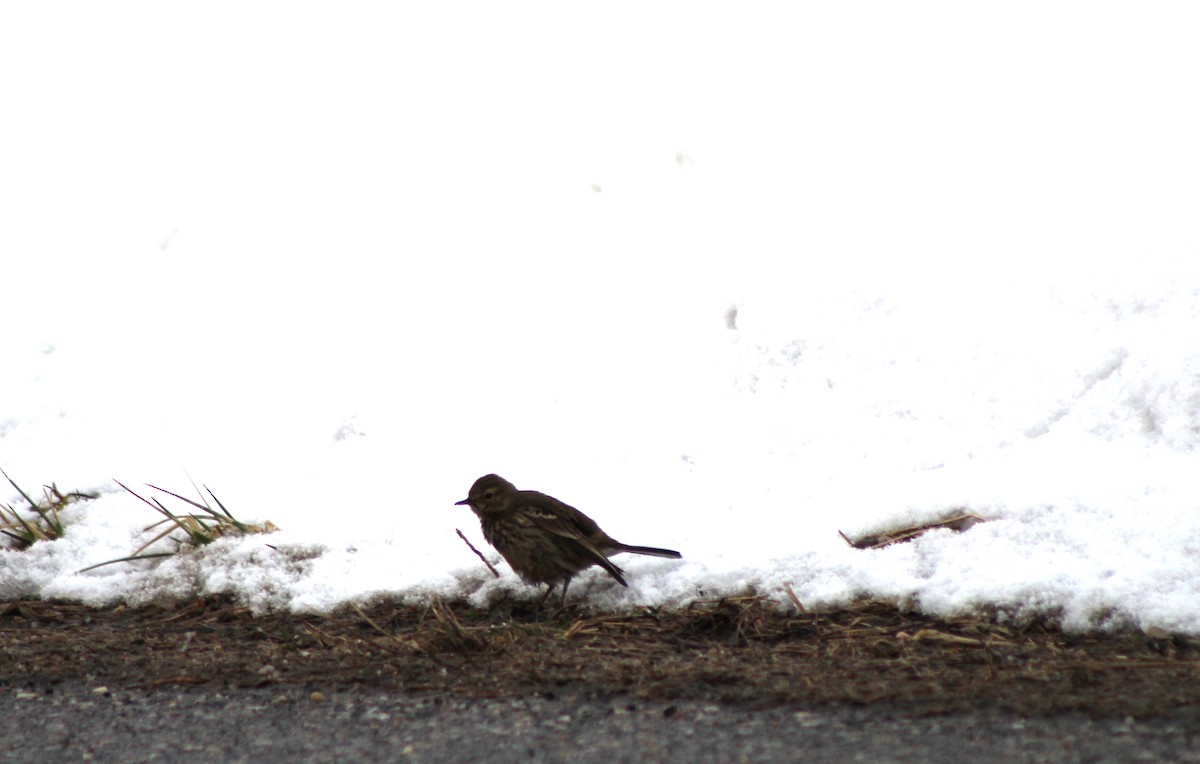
41 522
195 529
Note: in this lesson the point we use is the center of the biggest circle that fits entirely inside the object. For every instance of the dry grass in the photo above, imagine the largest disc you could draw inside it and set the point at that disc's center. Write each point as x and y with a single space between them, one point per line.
746 650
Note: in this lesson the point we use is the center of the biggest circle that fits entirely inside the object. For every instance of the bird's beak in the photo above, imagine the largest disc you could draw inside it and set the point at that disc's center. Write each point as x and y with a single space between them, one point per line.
460 503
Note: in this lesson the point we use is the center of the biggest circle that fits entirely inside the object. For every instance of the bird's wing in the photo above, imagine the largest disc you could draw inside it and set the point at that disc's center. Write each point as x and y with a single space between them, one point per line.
572 527
572 519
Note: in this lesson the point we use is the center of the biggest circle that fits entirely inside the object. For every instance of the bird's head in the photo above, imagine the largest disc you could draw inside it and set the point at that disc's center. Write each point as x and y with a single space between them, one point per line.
489 492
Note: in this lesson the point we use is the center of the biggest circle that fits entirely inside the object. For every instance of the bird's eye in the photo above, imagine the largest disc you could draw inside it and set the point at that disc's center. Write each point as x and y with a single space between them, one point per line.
488 495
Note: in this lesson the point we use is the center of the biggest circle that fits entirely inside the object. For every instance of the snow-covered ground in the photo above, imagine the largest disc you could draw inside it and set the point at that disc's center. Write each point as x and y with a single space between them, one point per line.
729 280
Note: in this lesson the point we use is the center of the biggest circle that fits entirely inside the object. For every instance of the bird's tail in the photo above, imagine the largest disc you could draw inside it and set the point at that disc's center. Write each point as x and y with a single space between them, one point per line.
649 550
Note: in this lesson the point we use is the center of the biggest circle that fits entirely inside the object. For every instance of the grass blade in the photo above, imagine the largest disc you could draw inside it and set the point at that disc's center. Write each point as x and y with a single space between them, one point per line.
131 558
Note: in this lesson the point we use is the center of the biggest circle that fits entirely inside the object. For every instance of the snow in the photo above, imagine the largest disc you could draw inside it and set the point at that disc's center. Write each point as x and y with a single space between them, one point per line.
728 281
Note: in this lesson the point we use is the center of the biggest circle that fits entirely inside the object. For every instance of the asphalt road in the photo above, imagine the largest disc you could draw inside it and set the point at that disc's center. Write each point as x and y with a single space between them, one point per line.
76 723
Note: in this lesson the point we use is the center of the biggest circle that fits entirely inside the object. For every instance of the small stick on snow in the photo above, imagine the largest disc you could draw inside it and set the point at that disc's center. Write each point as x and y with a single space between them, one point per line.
787 587
495 572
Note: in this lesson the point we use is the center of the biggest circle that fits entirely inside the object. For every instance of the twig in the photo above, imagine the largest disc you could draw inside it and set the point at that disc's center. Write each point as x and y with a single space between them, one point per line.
495 572
959 522
787 587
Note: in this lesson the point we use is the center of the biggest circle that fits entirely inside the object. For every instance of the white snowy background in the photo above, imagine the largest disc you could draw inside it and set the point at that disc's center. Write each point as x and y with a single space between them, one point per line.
729 278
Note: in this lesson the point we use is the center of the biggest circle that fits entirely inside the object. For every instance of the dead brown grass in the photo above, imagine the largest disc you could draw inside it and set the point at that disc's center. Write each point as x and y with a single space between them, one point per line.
744 650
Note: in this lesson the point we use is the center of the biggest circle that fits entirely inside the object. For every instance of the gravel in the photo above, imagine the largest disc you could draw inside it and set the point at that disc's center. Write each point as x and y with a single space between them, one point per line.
80 722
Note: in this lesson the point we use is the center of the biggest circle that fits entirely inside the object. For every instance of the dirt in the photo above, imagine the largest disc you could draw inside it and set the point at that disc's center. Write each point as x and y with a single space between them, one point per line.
743 651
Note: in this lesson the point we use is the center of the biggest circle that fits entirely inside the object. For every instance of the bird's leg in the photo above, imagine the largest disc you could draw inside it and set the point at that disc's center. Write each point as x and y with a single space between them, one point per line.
542 601
562 601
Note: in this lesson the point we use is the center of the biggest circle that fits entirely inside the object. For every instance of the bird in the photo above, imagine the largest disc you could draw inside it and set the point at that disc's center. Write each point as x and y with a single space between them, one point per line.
543 539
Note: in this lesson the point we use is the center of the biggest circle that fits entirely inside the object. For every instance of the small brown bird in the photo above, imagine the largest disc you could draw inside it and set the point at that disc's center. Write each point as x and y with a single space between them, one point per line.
544 540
